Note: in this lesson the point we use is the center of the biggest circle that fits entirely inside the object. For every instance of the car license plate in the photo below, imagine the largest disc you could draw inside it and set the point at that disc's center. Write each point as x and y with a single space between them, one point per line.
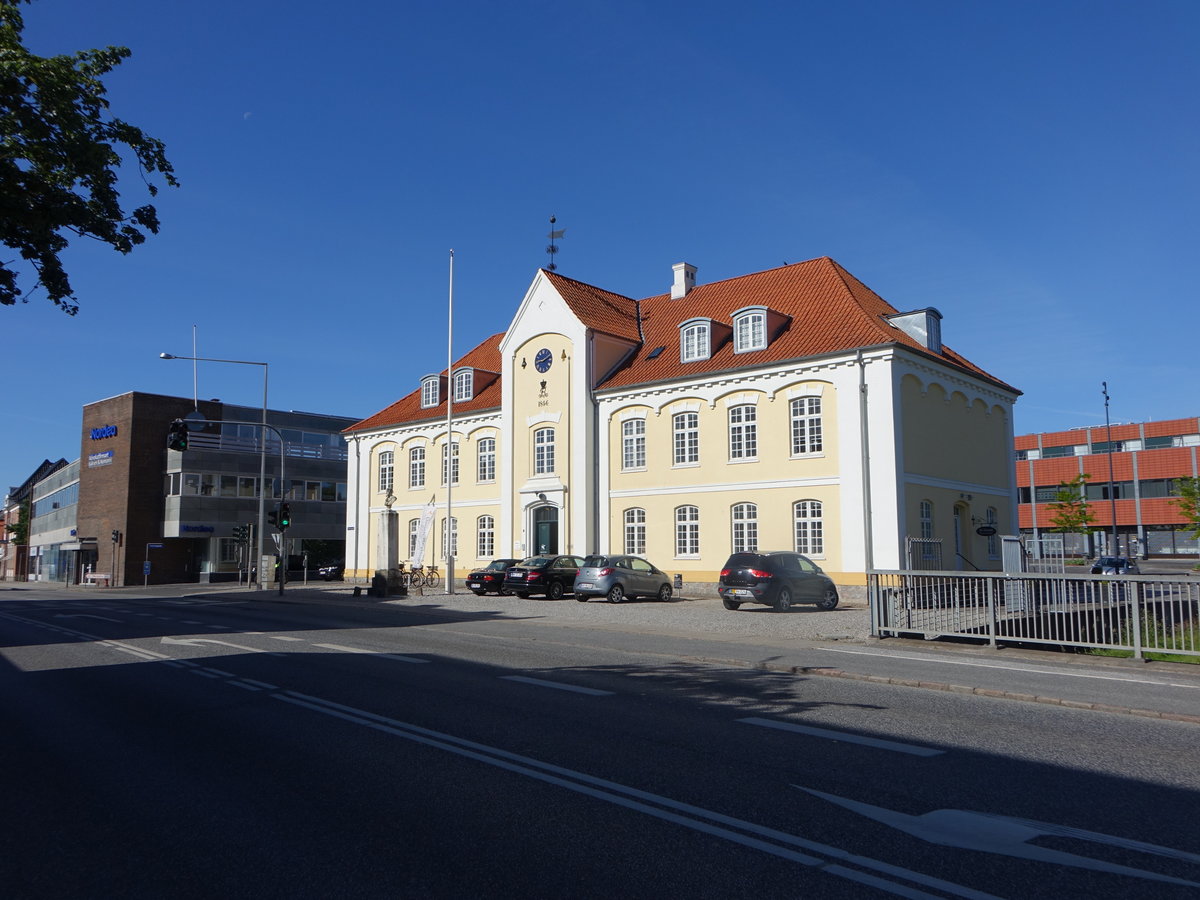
516 576
738 592
473 584
585 584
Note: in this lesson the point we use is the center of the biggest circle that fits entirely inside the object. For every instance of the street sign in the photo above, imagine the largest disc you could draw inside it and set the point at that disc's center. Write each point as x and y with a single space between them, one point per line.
155 546
985 530
146 567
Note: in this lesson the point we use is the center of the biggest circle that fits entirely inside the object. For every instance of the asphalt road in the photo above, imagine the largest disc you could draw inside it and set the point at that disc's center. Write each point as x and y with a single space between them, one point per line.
221 747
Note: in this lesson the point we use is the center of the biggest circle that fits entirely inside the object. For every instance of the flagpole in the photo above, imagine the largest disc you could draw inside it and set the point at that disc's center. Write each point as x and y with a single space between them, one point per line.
450 433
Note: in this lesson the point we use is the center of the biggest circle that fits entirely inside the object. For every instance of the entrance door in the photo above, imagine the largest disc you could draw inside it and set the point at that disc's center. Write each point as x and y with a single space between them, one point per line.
545 530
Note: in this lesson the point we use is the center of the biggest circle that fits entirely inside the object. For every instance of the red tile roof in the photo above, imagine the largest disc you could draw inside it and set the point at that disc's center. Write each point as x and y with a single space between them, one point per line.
484 357
598 309
831 312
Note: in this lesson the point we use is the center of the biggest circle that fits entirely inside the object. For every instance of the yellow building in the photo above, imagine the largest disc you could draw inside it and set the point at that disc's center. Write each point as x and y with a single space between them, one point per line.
789 409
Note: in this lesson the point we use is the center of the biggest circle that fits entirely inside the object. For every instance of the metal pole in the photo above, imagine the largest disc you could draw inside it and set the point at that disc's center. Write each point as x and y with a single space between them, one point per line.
262 481
1112 495
450 434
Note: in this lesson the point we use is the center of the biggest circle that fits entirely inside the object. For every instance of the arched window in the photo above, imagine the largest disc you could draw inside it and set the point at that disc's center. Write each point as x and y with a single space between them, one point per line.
743 432
686 428
694 341
485 529
633 444
543 451
750 331
635 531
464 384
416 467
453 462
809 527
487 459
430 393
806 425
687 531
386 470
745 528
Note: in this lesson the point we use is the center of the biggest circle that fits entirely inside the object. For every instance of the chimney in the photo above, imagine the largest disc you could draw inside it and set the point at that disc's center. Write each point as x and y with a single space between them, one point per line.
685 280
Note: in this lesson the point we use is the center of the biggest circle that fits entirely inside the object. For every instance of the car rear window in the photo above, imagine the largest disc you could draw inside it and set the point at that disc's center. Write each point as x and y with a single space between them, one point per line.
746 560
595 562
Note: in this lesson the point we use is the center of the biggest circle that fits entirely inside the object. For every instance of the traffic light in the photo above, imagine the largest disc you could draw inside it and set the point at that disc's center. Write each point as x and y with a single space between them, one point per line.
285 515
241 532
177 435
273 519
116 536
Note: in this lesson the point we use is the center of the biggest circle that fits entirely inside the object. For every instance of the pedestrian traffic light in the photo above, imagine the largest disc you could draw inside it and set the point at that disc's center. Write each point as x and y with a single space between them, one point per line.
177 435
285 515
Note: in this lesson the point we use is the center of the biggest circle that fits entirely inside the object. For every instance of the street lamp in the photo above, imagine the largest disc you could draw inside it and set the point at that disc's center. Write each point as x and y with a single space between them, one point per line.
1112 496
262 459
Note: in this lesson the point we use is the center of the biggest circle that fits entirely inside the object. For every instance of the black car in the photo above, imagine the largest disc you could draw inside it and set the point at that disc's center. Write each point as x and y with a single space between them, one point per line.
332 573
1114 565
545 574
490 577
618 577
776 578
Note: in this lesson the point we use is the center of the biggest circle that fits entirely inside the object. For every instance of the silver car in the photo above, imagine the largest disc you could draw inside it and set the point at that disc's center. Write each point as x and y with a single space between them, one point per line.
617 577
1115 565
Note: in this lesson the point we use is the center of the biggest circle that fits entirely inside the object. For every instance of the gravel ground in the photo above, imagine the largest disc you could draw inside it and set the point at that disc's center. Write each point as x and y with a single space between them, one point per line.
703 616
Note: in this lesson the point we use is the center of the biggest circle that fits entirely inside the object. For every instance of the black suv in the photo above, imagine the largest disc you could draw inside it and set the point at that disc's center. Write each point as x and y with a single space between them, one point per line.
776 578
549 575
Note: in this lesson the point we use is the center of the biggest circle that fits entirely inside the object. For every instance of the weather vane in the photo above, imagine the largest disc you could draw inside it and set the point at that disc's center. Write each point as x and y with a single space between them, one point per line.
553 248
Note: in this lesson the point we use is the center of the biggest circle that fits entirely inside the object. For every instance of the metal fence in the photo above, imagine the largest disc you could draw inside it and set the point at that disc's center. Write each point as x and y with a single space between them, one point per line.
1138 614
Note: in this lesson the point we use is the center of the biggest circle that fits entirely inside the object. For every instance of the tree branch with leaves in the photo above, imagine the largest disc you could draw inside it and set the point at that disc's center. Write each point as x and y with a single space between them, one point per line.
1070 506
1188 502
60 155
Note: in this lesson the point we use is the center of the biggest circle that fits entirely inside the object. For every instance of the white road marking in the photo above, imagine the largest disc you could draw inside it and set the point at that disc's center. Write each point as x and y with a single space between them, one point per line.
1014 668
193 642
748 834
283 637
393 656
557 685
845 737
86 616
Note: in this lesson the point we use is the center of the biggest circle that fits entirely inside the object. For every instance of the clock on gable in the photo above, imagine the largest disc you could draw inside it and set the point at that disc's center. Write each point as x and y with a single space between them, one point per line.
543 360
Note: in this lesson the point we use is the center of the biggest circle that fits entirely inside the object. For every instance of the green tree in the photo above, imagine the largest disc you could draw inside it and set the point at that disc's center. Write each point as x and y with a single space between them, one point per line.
59 160
1188 502
1070 506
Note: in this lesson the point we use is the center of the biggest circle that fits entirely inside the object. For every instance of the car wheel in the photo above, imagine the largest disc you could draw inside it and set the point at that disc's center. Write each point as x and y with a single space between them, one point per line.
555 591
524 595
503 592
829 600
664 593
616 594
581 598
783 602
730 604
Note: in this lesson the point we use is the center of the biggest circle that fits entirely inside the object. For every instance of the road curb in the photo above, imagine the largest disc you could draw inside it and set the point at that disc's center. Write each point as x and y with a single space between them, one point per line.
826 672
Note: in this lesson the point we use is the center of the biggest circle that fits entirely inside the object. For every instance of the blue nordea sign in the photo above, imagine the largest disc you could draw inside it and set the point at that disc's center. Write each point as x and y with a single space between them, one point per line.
104 431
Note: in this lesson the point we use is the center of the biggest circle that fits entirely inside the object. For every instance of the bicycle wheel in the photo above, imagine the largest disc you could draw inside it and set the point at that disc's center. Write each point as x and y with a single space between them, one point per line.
418 579
433 579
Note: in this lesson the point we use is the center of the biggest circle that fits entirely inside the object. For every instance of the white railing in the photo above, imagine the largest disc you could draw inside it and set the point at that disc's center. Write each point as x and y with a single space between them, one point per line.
1139 614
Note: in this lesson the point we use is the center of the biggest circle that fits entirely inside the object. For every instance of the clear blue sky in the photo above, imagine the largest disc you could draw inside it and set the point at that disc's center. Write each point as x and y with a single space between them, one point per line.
1029 168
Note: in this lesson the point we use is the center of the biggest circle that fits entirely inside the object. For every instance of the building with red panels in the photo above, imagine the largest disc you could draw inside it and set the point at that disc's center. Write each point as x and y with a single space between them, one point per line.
1146 459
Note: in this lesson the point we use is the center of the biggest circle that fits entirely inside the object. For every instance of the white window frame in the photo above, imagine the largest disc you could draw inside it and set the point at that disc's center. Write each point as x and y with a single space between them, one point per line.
807 436
416 468
925 513
543 451
743 432
413 527
486 452
454 456
430 391
993 540
453 537
387 471
750 331
695 341
744 527
464 385
808 527
687 532
485 541
633 444
635 531
685 429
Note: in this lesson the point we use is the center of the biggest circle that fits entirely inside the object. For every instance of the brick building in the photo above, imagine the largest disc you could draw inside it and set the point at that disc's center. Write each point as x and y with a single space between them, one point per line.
1146 459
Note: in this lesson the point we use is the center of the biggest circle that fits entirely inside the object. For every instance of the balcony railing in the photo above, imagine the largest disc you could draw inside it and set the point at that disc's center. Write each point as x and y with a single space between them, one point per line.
201 440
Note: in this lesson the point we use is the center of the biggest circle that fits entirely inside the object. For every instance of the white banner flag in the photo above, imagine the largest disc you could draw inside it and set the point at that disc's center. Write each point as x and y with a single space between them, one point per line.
423 527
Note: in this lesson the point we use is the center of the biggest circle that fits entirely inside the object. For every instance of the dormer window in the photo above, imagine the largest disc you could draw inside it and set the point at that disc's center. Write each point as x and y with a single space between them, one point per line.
922 325
750 329
430 393
464 384
695 340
